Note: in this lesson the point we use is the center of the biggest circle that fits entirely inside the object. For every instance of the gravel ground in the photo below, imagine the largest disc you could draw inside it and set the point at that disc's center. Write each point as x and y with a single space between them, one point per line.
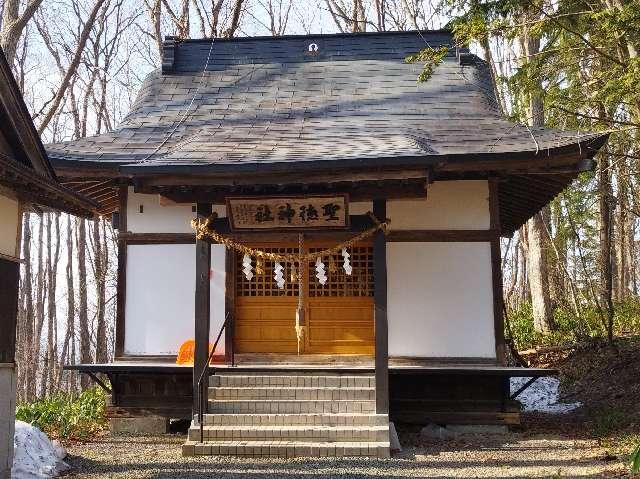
510 456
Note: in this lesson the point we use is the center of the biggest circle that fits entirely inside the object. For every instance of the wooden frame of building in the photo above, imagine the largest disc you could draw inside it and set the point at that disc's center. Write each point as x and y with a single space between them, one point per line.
267 120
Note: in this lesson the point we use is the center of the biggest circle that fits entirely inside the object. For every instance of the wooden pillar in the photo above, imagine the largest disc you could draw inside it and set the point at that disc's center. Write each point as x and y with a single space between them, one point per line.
202 306
380 300
496 270
9 279
121 288
230 304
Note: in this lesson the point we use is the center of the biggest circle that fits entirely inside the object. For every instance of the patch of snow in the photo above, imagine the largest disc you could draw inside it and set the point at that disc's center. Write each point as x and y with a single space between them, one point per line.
542 396
35 456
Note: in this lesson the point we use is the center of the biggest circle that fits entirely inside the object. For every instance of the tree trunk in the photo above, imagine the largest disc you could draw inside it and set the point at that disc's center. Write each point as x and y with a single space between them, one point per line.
537 255
624 224
46 359
100 279
25 333
539 276
606 227
52 351
13 24
67 357
83 314
40 299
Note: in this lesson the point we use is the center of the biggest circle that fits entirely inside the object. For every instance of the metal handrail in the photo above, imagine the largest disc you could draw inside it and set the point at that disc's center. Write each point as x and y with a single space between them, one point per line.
205 370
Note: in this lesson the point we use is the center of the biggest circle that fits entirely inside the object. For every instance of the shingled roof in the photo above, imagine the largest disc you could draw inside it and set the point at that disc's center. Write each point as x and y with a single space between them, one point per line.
319 102
271 100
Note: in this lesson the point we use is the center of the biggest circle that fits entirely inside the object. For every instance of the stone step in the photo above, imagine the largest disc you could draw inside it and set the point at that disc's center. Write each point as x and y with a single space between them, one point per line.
302 433
290 406
324 419
283 392
333 381
286 449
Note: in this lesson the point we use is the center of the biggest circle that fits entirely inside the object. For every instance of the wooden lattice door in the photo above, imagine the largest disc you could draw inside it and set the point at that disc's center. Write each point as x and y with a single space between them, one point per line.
265 315
339 315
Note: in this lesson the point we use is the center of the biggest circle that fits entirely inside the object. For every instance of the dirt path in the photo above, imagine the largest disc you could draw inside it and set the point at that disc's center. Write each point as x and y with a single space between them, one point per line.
513 456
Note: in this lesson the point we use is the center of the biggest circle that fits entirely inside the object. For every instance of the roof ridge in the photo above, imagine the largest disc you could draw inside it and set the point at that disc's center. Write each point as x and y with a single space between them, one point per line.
441 31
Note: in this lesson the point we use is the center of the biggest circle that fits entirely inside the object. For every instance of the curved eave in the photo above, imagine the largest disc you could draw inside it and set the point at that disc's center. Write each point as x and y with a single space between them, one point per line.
542 159
530 179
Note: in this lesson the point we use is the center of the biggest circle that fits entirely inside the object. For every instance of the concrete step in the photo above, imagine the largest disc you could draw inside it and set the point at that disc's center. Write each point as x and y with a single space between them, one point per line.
287 449
294 380
324 419
290 406
302 433
276 414
285 392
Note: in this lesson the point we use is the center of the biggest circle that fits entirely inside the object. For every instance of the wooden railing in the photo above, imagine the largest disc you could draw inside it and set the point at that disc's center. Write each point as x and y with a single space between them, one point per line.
206 372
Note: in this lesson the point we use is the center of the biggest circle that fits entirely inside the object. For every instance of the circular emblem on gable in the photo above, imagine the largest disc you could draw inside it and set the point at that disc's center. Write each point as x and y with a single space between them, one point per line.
313 47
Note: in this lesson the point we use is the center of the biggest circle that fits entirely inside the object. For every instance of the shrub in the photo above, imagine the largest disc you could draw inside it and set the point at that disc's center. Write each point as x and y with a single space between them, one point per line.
70 416
571 328
607 421
635 460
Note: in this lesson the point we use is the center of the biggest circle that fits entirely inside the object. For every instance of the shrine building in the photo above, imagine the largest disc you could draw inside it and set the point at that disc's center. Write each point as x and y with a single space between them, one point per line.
346 268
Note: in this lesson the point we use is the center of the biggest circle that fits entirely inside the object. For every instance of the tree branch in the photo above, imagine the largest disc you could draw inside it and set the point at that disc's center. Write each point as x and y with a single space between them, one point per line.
72 67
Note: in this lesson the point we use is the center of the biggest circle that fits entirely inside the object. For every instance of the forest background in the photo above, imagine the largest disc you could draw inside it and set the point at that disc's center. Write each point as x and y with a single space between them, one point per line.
570 274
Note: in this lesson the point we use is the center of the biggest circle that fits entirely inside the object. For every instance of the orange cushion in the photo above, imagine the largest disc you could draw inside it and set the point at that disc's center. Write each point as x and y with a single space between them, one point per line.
187 351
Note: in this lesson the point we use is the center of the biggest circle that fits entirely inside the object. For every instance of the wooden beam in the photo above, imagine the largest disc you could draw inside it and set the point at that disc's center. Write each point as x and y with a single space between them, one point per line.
444 236
358 191
121 288
358 223
496 271
158 238
362 223
202 316
102 194
380 314
93 187
283 178
560 163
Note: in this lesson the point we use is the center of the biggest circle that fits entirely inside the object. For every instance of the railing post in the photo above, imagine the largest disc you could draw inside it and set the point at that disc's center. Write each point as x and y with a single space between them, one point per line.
203 379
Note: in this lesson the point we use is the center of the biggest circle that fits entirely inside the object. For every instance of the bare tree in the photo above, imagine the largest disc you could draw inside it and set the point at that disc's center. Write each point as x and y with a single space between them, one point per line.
278 14
54 103
25 323
67 355
14 23
99 274
83 311
348 17
40 312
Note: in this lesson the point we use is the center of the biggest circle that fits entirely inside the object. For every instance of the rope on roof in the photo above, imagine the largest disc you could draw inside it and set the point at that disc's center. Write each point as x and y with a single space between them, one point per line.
188 110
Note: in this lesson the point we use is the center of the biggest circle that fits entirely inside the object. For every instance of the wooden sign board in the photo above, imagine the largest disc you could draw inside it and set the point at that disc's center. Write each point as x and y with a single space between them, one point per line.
289 212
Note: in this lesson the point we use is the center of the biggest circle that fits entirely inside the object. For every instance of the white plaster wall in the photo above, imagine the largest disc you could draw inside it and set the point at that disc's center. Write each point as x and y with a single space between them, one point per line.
159 309
360 207
449 205
440 300
9 226
157 218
